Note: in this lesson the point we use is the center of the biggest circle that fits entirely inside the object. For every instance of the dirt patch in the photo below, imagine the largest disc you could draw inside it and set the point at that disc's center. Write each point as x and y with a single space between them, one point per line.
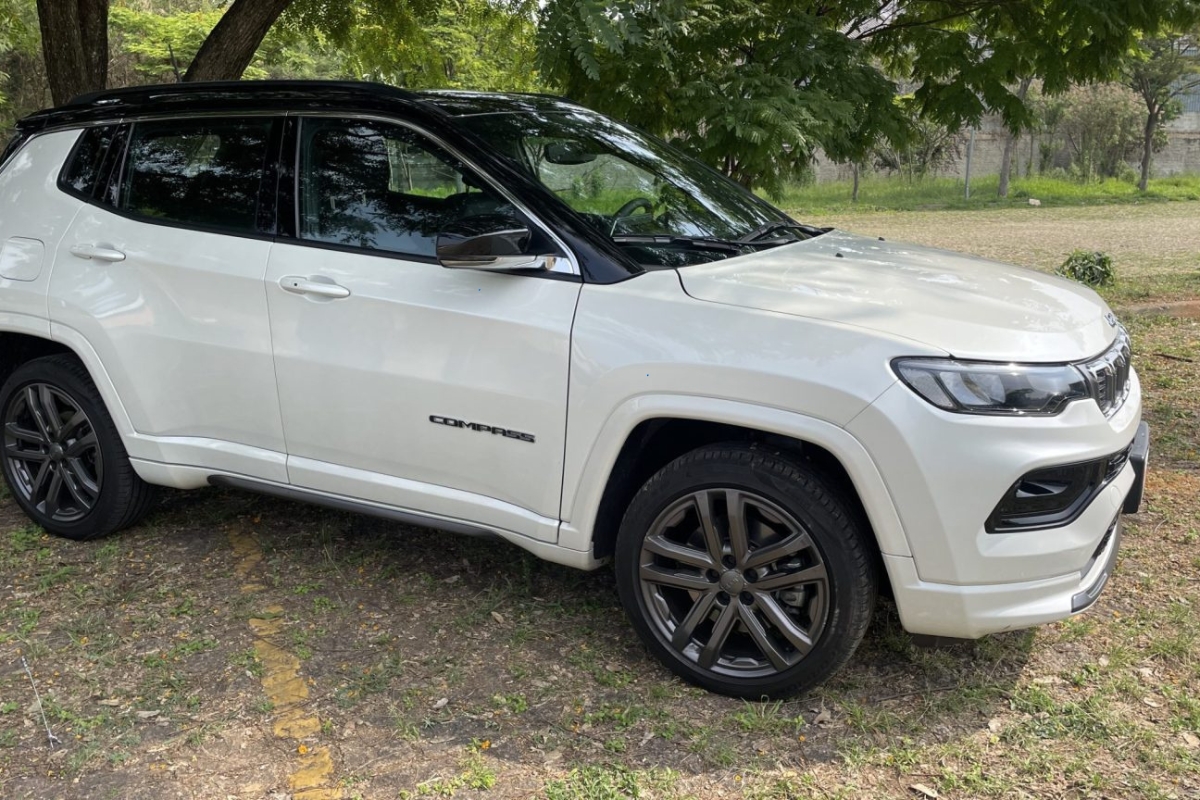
1181 309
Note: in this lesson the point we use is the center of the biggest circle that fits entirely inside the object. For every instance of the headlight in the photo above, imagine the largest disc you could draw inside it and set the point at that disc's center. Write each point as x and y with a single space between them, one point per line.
979 387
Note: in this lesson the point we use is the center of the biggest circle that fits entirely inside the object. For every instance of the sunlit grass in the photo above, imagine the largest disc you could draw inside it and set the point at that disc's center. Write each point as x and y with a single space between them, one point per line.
899 194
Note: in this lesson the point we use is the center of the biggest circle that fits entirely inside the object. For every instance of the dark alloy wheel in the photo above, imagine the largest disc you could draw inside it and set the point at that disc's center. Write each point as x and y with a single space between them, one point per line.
745 572
52 453
63 458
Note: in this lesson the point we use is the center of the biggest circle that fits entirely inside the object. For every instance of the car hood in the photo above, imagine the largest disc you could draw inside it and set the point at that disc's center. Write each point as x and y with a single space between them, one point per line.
969 307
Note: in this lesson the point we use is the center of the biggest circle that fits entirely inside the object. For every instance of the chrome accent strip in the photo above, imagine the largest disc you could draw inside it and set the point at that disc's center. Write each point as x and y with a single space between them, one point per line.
341 503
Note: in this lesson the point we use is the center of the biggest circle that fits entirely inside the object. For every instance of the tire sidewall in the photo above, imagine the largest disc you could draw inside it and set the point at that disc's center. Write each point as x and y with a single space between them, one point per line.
844 625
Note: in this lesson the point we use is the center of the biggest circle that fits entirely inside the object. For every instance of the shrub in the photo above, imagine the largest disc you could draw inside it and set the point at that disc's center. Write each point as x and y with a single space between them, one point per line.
1092 268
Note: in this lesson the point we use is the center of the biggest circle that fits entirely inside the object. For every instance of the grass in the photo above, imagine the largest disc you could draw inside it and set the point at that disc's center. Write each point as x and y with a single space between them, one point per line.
933 194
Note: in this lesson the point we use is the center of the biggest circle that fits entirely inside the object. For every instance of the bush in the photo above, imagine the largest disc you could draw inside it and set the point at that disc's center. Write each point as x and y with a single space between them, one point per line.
1092 268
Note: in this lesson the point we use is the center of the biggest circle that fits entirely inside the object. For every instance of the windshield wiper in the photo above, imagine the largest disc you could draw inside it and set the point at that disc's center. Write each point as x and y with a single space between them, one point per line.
695 242
781 225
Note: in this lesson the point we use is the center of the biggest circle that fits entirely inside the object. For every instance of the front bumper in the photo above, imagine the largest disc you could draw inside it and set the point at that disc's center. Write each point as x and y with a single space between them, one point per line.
946 473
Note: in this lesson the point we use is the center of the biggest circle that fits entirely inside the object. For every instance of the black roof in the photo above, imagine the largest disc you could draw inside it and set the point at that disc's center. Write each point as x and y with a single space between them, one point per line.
290 95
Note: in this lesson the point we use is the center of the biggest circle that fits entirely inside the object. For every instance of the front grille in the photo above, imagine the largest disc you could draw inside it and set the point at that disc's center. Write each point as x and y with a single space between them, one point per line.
1108 375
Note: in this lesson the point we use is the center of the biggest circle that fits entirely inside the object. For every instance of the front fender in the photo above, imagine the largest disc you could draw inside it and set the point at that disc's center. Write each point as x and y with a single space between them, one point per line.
588 473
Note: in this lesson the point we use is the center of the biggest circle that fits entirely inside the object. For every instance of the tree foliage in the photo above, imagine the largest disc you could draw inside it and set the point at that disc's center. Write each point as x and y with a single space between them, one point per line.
1102 127
755 87
1160 70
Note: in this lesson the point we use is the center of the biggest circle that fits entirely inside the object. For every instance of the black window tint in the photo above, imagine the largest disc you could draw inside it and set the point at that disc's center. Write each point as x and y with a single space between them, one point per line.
384 187
206 173
83 172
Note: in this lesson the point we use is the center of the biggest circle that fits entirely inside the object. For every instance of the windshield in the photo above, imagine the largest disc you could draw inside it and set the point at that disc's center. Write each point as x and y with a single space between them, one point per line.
667 209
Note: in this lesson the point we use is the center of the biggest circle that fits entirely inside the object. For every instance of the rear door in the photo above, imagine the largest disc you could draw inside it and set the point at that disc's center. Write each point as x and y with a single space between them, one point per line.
403 382
162 274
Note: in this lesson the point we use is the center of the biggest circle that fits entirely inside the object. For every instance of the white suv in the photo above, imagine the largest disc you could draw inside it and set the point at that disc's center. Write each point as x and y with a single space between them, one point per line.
508 315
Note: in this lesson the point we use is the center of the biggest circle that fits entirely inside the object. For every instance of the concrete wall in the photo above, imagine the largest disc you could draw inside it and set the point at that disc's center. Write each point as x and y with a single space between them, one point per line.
1181 155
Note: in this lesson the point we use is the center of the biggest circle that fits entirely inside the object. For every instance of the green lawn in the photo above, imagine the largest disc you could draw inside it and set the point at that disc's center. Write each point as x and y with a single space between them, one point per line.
898 194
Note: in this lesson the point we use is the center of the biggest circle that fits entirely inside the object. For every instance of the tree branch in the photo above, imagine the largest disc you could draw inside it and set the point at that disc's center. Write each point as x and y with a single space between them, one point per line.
231 46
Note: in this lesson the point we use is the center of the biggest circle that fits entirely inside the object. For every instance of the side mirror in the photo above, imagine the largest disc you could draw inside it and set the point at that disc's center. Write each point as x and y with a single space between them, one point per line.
494 251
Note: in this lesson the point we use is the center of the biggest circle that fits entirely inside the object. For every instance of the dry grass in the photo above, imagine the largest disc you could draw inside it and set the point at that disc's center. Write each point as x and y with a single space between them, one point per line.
143 651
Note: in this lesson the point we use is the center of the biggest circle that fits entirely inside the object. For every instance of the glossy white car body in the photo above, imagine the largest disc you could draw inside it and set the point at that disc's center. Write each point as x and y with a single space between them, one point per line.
213 371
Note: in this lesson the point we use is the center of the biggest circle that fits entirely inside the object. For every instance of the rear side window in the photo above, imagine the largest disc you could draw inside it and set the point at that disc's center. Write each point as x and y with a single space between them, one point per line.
84 172
202 172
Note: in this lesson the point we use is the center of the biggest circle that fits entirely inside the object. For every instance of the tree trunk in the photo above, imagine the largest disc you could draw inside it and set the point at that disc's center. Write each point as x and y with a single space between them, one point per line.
231 46
1148 148
854 191
74 46
1010 141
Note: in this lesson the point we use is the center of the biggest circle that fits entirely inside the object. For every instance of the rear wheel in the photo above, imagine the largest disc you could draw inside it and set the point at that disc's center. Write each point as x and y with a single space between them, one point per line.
62 456
745 571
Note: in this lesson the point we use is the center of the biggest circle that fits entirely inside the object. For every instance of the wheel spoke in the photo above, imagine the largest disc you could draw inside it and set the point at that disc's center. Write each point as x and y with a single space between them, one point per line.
720 632
662 546
52 493
783 580
665 576
19 433
39 417
84 481
80 446
49 410
32 456
68 427
789 545
712 539
761 638
38 487
783 623
698 613
73 488
735 512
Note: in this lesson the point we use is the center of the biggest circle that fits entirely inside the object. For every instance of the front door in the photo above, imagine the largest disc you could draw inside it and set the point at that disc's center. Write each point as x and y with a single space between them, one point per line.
402 382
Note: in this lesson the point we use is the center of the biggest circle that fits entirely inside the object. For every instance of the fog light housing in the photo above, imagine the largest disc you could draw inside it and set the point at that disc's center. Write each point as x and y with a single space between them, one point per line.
1053 496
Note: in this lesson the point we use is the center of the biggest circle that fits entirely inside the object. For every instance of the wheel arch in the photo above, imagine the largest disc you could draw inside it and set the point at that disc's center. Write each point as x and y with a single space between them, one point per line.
17 348
645 435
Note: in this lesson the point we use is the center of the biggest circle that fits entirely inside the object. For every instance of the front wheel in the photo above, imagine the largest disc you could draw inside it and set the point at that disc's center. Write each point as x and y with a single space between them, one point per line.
745 571
63 458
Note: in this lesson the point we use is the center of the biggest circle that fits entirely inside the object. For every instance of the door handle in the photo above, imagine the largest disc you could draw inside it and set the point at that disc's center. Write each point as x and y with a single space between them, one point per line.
320 287
98 252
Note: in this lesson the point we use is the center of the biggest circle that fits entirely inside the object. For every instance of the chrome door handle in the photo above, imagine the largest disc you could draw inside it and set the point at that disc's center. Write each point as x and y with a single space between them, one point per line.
320 288
98 252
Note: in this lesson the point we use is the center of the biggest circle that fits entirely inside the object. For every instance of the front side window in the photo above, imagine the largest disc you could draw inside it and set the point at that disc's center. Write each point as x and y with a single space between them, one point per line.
384 187
203 172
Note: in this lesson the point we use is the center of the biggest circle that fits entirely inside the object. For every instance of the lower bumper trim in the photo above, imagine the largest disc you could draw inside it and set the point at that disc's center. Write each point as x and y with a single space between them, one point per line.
1083 599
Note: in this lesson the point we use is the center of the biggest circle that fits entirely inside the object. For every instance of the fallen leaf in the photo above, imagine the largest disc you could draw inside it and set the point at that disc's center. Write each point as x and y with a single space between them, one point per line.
440 704
147 714
1191 740
496 615
923 790
994 724
109 702
1150 701
823 717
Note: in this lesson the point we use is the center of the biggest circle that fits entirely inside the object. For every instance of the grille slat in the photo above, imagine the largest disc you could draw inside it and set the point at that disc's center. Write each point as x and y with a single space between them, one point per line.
1109 375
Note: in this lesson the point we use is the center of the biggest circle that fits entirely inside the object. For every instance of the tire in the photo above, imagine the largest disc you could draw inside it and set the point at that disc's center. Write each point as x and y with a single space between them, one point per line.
62 456
782 608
